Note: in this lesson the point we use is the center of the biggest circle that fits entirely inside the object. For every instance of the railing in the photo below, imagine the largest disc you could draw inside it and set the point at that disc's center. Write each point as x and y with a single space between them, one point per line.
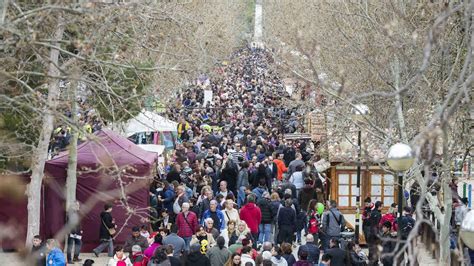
428 235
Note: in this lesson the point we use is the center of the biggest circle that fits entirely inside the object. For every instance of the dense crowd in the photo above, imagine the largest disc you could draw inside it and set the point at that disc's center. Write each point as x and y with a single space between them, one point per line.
237 192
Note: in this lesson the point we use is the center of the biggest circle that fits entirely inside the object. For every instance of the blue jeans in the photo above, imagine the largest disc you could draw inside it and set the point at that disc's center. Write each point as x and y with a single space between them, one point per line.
264 232
103 244
241 196
187 240
77 248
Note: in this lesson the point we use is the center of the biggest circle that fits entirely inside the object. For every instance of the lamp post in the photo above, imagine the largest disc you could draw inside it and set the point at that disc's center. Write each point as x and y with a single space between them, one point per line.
400 158
358 111
467 230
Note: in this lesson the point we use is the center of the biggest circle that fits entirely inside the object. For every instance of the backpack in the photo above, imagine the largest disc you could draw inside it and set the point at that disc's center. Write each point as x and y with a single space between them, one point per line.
313 226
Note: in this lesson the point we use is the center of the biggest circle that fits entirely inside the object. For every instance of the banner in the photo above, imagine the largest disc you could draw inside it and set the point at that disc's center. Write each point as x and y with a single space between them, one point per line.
207 97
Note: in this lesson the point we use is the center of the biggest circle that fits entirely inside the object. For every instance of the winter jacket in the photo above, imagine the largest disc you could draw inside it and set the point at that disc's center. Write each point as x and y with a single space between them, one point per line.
252 215
338 255
220 217
355 260
197 259
217 256
389 217
266 210
312 250
290 259
105 220
55 258
281 168
286 216
169 199
149 251
293 165
243 178
188 225
275 206
306 195
258 191
177 242
39 253
332 222
297 179
278 261
374 221
131 241
229 174
139 259
388 245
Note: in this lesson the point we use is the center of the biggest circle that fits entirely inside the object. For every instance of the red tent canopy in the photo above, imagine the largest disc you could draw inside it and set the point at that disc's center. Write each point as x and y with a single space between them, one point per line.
110 168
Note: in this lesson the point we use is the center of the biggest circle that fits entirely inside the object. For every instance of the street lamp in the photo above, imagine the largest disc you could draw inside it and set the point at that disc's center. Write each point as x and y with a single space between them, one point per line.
467 230
358 112
400 158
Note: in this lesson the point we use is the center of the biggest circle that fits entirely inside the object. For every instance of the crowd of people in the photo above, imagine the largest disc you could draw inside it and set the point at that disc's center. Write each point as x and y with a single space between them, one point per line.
237 192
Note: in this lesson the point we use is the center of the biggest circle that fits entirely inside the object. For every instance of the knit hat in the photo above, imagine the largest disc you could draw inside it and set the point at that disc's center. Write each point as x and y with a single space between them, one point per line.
136 248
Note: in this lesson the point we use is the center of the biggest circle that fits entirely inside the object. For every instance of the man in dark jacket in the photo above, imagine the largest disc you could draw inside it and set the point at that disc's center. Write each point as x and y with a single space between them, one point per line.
265 226
374 220
338 255
38 251
388 244
135 239
106 223
196 258
332 224
286 222
311 248
406 223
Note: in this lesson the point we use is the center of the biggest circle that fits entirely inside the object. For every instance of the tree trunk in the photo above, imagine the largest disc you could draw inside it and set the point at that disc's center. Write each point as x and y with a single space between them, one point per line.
40 152
3 10
444 234
71 181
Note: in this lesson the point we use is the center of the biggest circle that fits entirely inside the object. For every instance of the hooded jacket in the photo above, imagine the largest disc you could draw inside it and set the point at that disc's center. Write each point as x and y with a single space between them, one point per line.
266 210
197 259
55 258
252 215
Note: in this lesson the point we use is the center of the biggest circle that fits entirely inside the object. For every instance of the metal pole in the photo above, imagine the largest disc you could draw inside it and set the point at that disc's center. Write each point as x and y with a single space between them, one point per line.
357 220
400 195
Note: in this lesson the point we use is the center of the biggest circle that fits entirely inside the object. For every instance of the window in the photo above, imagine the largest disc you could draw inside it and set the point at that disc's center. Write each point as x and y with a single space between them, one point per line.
347 189
382 188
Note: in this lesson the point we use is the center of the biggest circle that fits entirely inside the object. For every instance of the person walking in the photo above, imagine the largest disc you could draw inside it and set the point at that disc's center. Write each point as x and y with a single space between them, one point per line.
374 221
286 222
75 235
265 226
219 254
332 224
106 231
252 215
187 224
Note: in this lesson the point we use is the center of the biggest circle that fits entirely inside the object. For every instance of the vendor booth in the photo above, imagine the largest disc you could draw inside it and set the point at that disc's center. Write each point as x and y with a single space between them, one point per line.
149 128
110 169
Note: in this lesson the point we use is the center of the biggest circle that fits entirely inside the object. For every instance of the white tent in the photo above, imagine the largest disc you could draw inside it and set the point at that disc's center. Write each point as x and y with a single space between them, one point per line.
146 121
153 148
